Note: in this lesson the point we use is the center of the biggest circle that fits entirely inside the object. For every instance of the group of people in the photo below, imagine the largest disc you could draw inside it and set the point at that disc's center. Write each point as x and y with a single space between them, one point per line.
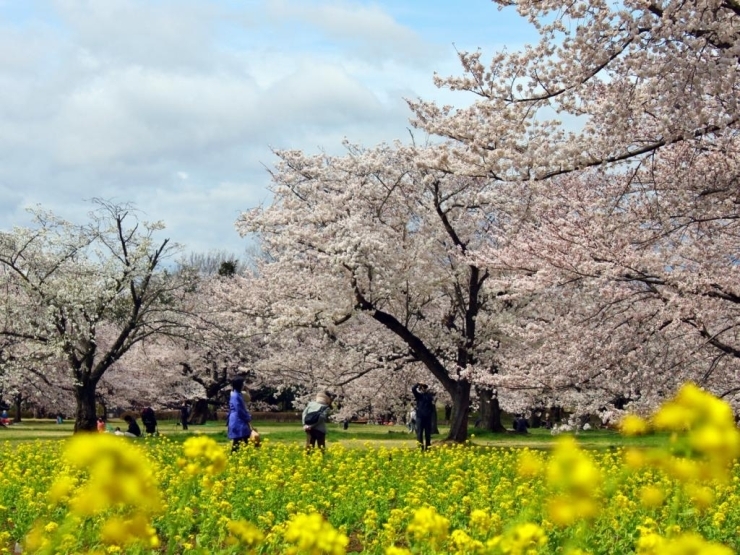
316 414
148 418
239 422
314 418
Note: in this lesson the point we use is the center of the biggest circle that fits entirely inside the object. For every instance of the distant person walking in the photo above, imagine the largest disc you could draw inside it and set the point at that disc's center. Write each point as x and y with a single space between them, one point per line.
239 421
314 419
424 414
184 415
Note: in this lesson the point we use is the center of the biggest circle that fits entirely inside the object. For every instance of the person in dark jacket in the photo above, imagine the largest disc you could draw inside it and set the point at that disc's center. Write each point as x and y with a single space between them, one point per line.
149 420
184 415
133 427
239 422
520 424
424 414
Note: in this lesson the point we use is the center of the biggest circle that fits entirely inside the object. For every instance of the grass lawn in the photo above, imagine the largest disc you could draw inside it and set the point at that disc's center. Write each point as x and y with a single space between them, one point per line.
358 435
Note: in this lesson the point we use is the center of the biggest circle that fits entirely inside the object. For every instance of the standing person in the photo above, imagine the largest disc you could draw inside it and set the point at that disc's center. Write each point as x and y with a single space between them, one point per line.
184 415
314 419
412 421
239 427
149 420
133 427
424 413
100 425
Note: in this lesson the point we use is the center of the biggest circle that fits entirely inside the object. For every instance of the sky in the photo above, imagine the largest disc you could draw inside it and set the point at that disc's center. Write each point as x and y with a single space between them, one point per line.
176 106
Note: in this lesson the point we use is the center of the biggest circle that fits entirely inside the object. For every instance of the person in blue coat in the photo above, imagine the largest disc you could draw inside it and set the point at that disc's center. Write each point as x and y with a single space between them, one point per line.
239 424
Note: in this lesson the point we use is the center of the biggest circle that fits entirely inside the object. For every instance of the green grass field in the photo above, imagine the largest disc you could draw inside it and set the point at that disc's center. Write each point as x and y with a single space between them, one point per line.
358 435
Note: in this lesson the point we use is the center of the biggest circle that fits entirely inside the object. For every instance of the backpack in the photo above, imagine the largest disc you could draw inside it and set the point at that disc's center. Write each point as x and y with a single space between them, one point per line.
313 417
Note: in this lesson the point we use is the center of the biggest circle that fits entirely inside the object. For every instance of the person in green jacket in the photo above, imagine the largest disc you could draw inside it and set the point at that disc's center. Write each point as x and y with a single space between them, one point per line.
314 419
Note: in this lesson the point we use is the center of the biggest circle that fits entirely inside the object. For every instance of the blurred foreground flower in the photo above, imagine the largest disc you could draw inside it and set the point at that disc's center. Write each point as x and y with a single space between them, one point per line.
118 471
119 480
311 534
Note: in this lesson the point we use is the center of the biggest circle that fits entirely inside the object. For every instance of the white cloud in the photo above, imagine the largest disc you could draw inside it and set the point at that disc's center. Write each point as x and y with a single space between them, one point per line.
134 114
366 30
173 34
174 105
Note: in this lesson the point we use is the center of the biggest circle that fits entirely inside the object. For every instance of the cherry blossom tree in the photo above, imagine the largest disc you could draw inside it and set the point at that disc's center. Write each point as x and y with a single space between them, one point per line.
74 279
629 78
374 233
244 313
629 268
645 264
149 374
27 381
590 262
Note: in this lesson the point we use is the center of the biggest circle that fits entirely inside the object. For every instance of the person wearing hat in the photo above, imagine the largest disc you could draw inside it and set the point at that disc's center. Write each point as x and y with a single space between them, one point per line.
424 414
316 432
239 421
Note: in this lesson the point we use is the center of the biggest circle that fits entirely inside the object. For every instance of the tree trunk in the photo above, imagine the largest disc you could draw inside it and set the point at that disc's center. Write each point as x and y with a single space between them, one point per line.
460 409
85 415
17 401
490 411
200 412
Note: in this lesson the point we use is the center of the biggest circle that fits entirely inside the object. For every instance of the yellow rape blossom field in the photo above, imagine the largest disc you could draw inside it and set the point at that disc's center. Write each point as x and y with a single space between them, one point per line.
105 494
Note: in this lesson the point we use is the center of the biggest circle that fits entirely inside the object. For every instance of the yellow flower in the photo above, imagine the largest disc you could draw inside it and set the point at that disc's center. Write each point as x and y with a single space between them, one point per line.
464 543
51 527
427 525
650 543
572 471
245 532
530 465
701 497
393 550
61 488
634 458
205 450
565 510
311 533
652 497
480 520
118 474
632 425
523 539
687 544
121 531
